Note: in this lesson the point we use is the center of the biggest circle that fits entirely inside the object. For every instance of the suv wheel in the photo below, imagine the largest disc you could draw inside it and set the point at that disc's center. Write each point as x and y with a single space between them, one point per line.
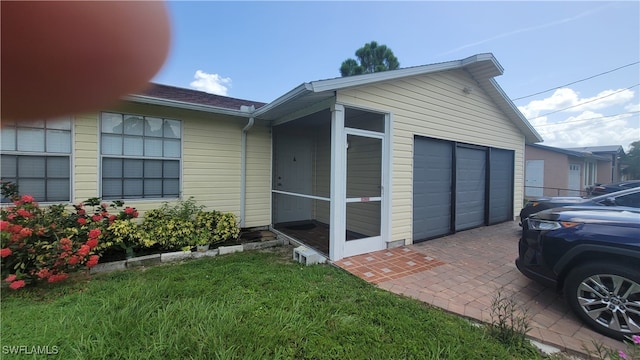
607 297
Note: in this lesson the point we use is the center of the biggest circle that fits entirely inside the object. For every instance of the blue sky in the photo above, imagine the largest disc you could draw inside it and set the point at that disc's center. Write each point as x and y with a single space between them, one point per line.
261 50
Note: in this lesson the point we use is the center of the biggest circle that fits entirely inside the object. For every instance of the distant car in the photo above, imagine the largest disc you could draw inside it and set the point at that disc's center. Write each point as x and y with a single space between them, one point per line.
629 197
600 189
592 255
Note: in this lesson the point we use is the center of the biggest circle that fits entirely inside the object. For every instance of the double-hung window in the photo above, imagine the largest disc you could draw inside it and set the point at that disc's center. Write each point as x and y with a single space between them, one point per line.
36 156
140 156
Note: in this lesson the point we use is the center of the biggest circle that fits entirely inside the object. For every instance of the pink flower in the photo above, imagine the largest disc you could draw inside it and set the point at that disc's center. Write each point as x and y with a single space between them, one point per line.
4 225
24 213
5 252
96 218
92 243
129 211
26 232
27 198
17 284
73 260
84 250
57 277
94 234
82 221
623 355
81 212
93 261
11 278
636 339
44 273
104 205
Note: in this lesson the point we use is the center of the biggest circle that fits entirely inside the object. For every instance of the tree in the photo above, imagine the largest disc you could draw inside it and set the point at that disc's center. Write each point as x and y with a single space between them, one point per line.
373 58
631 161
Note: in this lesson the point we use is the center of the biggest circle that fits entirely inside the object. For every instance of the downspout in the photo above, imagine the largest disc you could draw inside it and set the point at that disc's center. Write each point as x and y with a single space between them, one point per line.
243 164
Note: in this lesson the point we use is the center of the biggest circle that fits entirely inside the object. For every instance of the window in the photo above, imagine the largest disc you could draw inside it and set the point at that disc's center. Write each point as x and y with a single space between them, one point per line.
140 156
630 200
589 173
36 155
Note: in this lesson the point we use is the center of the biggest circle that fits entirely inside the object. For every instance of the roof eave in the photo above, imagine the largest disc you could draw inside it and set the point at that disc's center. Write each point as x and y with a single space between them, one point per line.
294 94
185 105
365 79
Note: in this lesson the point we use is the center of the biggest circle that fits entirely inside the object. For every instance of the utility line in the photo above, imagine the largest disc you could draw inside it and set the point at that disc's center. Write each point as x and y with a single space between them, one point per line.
582 103
575 82
595 118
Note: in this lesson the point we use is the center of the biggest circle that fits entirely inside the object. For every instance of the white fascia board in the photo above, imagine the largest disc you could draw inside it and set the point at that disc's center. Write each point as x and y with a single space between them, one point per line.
185 105
483 57
349 81
291 95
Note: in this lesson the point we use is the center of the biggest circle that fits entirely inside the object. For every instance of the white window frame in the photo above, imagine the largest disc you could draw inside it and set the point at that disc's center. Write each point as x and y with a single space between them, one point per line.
122 156
16 150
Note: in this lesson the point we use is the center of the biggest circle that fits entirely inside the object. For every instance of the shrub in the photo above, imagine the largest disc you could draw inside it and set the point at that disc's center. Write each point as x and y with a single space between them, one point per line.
185 225
47 243
226 228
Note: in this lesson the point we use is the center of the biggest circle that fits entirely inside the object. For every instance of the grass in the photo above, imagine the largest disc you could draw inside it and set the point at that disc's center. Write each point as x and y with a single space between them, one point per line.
252 305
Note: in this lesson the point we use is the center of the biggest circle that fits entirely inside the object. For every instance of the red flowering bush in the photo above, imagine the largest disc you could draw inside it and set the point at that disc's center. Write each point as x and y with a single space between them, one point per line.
47 243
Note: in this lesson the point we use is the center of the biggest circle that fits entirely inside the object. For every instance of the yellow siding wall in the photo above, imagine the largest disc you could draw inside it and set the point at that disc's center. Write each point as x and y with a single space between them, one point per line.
258 202
85 157
210 161
435 106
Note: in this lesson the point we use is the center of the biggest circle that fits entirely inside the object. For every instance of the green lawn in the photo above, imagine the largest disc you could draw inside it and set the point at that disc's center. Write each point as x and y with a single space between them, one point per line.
252 305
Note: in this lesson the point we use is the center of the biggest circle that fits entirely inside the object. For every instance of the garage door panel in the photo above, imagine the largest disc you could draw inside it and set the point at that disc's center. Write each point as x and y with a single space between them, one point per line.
501 187
431 188
470 187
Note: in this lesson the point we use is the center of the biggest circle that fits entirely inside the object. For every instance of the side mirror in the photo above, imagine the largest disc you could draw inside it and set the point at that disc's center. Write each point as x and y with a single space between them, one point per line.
611 201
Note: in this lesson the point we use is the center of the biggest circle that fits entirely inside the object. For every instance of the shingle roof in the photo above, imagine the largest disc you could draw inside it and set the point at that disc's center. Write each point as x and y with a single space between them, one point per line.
196 97
580 154
599 149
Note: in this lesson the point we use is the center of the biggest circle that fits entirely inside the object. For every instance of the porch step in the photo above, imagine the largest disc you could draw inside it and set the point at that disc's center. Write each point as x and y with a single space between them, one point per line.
304 255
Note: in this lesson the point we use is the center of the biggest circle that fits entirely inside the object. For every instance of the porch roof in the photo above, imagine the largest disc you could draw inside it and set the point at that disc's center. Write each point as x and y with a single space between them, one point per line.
482 67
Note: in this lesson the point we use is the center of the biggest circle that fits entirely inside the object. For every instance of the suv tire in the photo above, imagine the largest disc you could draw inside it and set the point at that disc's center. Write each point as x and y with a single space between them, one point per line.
607 297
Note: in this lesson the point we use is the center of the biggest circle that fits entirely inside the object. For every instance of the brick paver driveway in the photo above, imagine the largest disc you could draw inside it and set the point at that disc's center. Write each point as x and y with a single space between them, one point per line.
460 273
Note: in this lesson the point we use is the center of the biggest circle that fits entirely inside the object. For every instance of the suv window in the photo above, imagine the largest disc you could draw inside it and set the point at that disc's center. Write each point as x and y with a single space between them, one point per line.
631 200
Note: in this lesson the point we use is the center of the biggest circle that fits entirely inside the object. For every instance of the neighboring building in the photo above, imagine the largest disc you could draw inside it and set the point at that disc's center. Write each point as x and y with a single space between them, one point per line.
613 152
348 165
551 171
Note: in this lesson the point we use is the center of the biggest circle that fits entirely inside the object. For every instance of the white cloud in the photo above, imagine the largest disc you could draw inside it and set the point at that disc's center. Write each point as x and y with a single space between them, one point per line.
591 129
211 83
570 100
632 107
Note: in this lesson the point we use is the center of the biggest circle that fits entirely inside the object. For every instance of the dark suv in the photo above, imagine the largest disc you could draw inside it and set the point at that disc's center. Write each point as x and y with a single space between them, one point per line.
628 197
592 255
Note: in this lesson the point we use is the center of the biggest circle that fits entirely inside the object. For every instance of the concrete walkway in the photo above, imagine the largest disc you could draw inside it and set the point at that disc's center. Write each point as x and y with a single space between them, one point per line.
461 273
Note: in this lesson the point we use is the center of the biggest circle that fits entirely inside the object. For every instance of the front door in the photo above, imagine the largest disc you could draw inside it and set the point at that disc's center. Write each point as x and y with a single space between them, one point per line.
364 190
534 178
293 174
574 180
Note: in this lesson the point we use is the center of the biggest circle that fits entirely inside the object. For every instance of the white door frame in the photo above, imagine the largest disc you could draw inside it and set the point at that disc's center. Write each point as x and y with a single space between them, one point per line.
338 246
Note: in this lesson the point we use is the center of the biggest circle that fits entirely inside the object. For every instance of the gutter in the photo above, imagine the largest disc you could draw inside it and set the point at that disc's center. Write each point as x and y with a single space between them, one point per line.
243 164
185 105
